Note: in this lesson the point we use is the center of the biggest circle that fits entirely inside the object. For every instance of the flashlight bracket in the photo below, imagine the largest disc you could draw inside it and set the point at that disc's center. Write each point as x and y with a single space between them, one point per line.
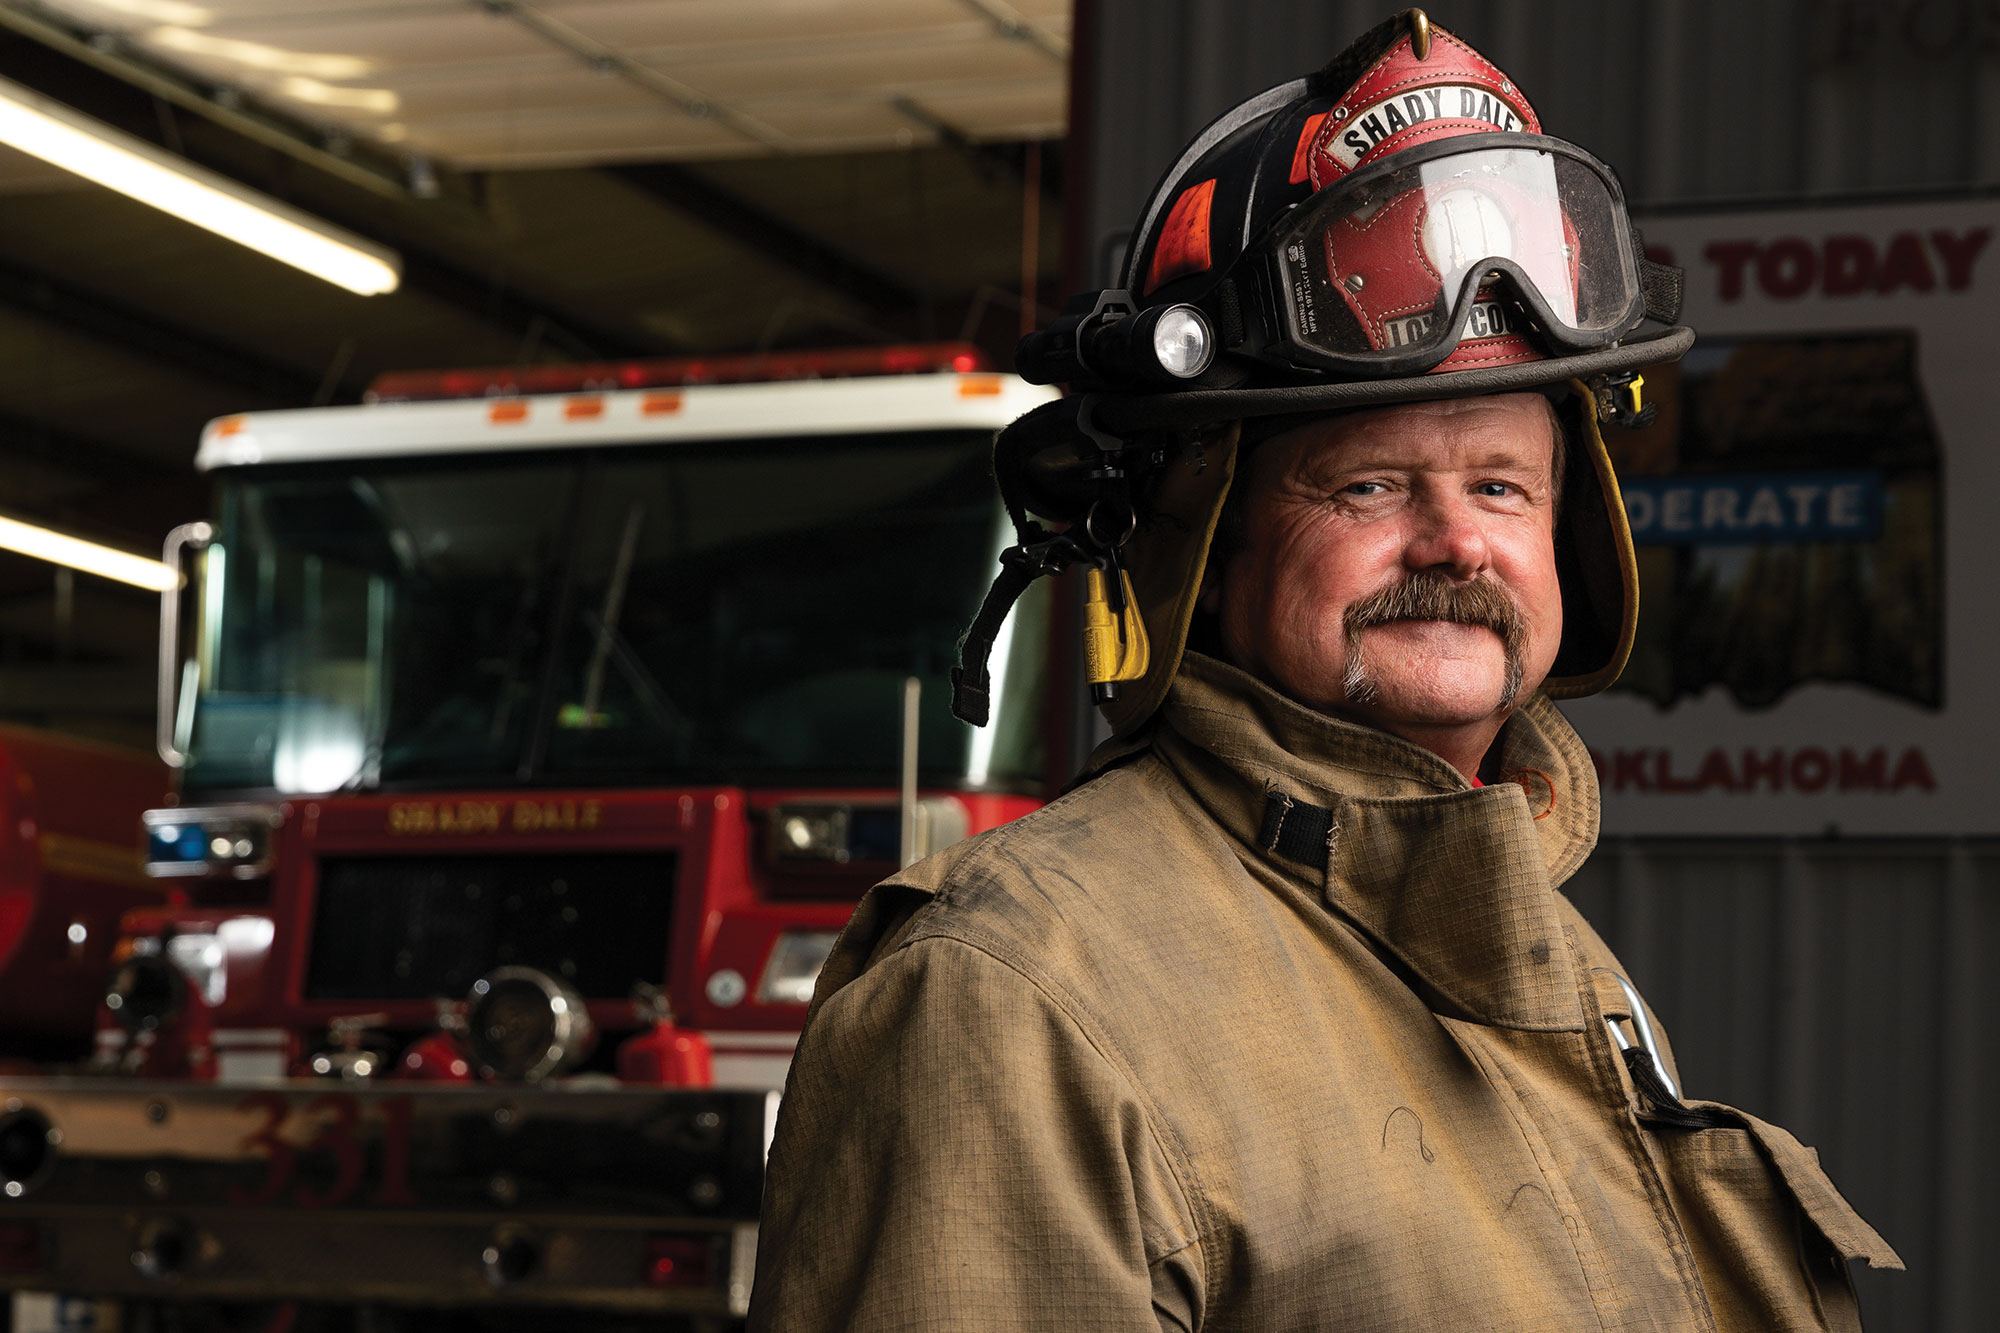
1058 354
1110 448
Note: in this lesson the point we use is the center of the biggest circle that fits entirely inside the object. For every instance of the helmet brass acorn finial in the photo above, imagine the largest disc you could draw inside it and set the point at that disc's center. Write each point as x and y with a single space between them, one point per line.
1420 32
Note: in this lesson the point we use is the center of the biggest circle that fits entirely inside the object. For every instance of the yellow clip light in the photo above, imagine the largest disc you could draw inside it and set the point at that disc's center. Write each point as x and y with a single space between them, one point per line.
1638 401
1115 647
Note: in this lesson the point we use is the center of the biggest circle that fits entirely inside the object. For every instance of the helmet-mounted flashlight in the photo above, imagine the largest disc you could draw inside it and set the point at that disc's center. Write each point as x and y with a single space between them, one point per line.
1102 340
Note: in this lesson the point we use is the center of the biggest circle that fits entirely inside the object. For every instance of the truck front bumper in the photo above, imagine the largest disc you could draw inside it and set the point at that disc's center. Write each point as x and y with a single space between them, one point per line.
580 1195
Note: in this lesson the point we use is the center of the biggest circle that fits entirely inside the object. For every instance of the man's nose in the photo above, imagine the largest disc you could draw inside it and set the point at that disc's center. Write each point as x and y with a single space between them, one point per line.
1446 534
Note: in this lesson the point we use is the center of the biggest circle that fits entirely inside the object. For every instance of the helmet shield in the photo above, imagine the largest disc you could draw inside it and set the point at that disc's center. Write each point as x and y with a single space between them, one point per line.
1387 270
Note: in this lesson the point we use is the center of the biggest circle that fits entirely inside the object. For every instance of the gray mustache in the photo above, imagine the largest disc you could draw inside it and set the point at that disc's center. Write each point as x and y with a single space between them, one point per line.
1430 595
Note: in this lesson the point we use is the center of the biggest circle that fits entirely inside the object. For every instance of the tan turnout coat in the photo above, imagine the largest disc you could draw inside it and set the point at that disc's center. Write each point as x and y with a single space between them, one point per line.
1123 1065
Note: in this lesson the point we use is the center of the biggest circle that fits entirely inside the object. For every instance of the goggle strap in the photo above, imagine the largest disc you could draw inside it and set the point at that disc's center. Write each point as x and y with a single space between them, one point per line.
1661 286
1225 304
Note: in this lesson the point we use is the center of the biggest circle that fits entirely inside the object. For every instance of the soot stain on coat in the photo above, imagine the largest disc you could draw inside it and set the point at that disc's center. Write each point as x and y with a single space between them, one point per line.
1540 953
1524 1188
1423 1148
1569 1223
1006 899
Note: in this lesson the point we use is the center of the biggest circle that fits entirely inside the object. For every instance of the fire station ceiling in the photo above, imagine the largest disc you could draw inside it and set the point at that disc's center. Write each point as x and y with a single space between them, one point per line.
571 83
561 179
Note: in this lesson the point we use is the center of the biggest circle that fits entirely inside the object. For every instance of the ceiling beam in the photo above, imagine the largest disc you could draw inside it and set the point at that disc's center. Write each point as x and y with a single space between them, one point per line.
164 343
1016 27
991 160
488 298
609 61
769 236
82 456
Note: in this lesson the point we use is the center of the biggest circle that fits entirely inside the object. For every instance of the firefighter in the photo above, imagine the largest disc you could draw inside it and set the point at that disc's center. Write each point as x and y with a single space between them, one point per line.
1277 1020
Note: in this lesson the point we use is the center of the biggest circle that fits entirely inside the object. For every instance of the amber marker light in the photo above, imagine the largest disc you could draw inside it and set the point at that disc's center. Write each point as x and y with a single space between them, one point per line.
62 136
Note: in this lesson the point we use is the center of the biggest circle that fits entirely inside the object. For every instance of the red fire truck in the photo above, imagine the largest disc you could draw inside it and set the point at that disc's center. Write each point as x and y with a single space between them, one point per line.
68 870
536 733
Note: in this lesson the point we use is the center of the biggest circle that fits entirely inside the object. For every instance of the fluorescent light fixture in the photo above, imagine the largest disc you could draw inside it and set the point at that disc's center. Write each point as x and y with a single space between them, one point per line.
105 561
380 100
45 128
159 11
256 55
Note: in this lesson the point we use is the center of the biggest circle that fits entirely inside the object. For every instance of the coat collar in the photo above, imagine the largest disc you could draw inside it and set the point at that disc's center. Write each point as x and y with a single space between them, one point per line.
1454 881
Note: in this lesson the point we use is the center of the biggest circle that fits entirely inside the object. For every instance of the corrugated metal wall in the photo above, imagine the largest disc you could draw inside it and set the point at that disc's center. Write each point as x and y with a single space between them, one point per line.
1844 989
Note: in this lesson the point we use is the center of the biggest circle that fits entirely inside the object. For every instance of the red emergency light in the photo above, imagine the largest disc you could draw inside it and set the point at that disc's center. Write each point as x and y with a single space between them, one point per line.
675 372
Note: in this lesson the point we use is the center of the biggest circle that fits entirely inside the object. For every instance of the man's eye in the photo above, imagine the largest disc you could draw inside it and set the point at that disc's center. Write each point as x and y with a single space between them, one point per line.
1363 488
1493 489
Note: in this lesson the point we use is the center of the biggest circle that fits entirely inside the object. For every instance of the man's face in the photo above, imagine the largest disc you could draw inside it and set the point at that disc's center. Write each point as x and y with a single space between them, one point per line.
1371 536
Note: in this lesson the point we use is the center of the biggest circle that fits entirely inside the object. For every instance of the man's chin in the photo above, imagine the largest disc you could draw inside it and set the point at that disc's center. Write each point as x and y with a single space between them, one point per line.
1434 694
1413 717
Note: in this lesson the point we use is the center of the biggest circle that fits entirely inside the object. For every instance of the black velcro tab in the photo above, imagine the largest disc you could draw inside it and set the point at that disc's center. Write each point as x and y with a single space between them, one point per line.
1229 313
1295 830
1662 286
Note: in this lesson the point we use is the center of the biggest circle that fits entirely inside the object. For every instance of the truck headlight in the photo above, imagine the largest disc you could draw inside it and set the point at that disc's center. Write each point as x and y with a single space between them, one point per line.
219 840
806 836
793 967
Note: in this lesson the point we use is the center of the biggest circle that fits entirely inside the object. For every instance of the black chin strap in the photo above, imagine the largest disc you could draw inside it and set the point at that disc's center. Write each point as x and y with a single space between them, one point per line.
971 686
1039 552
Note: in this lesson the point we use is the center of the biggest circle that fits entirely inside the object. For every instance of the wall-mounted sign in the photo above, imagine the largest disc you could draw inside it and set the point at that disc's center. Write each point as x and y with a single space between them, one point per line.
1819 642
1728 508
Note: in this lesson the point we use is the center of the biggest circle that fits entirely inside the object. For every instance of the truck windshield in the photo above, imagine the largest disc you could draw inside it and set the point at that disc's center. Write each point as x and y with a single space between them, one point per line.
742 612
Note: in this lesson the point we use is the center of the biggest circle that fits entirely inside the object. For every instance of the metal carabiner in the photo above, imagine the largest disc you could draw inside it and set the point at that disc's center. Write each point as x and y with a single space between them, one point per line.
1644 1027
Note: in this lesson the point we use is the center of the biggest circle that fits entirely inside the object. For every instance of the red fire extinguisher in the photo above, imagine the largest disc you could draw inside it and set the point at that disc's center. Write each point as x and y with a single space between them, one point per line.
664 1054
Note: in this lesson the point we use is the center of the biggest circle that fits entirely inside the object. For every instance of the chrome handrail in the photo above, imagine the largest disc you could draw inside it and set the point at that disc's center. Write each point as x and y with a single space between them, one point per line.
197 536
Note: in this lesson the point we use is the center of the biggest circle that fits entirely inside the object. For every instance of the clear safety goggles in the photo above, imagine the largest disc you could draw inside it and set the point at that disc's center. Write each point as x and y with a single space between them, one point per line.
1386 271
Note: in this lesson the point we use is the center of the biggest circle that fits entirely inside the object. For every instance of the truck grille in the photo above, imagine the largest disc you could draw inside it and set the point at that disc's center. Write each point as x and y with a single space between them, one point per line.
416 927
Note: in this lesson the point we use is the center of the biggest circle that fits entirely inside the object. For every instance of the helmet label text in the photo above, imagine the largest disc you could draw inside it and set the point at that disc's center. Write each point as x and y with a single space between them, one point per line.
1391 115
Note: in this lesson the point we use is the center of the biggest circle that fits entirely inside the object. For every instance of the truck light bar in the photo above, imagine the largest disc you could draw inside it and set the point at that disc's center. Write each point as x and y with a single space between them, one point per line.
675 371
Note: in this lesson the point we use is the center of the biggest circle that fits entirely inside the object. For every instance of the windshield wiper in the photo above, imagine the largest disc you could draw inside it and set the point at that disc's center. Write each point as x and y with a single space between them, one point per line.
611 646
643 682
614 608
